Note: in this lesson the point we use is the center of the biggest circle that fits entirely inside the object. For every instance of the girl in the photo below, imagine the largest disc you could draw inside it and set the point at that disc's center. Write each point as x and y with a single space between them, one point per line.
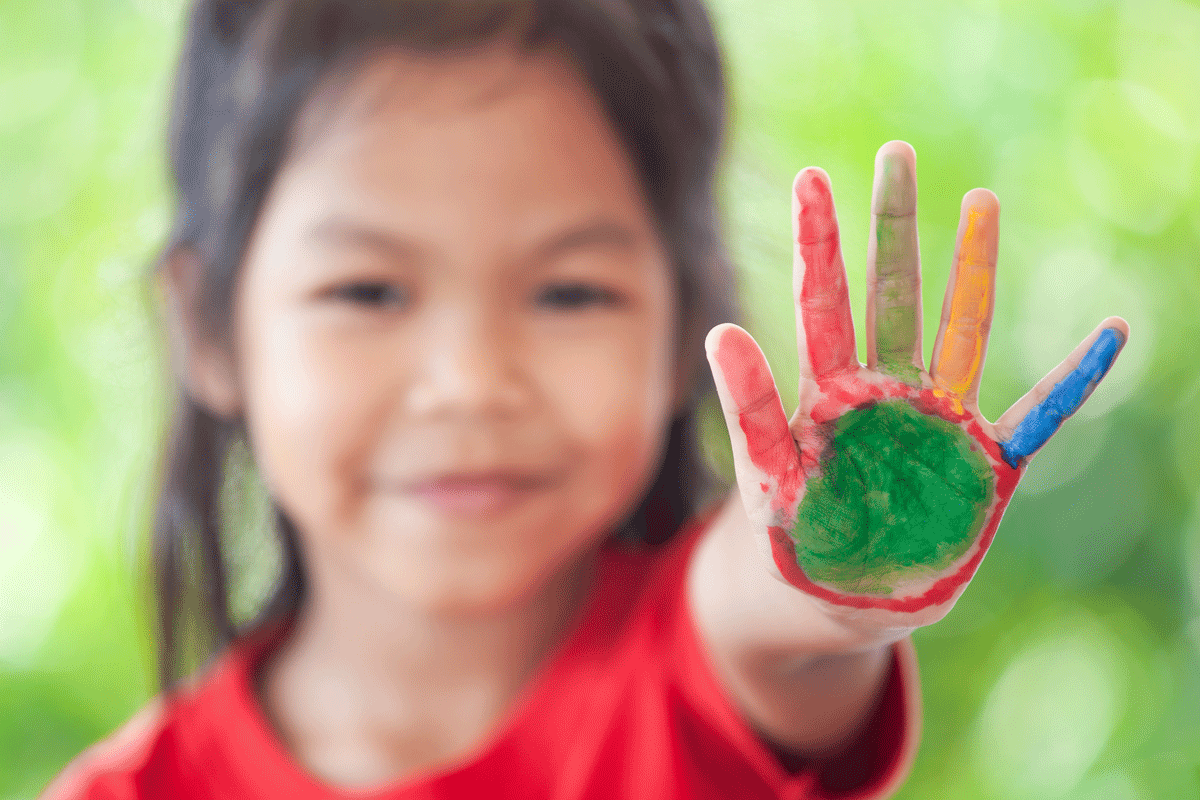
444 266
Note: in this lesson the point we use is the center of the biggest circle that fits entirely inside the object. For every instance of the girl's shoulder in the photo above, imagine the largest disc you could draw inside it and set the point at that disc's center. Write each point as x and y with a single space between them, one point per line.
156 752
109 769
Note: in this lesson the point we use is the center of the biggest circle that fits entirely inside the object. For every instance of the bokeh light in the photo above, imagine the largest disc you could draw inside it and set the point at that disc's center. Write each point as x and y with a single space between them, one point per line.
1071 666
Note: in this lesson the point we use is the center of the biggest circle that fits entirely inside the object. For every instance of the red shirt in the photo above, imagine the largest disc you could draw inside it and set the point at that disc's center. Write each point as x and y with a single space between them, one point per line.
627 707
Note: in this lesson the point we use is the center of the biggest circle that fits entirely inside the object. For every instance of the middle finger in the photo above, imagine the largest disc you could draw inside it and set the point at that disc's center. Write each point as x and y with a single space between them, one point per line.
894 267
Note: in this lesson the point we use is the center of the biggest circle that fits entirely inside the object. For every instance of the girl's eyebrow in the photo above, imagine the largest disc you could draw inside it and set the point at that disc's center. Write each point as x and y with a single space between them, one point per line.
605 233
338 230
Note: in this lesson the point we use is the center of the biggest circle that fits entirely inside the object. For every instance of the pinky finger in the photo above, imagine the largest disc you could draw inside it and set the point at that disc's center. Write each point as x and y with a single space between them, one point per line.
1060 394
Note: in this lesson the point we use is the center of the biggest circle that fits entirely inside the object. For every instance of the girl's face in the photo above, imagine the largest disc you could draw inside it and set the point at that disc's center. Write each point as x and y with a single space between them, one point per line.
456 329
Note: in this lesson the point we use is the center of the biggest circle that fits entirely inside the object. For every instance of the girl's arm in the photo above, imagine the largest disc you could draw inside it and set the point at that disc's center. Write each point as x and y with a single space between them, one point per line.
803 679
864 515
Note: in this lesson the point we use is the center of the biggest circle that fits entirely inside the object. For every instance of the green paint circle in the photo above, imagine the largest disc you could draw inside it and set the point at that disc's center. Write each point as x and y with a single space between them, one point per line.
898 491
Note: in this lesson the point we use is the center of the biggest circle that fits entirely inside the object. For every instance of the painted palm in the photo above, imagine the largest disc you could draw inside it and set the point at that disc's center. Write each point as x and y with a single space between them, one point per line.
882 494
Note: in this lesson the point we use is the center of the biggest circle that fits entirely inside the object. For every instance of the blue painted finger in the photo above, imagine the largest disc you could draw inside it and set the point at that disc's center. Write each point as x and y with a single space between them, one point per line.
1064 399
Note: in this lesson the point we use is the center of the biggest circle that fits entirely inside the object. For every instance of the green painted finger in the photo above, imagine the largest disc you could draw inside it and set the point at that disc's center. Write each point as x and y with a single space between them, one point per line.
894 266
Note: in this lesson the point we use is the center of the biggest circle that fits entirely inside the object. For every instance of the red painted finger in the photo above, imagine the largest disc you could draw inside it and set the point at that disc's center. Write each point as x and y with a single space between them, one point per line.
751 401
824 327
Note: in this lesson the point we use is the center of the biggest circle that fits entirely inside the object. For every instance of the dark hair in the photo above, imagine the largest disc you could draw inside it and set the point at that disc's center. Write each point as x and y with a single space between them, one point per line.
249 67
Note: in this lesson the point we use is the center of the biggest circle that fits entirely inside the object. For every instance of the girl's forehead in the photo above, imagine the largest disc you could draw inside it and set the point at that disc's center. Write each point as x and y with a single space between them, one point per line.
497 135
391 89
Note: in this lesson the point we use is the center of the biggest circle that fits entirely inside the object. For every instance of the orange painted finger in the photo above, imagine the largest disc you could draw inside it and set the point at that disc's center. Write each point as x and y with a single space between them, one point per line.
962 338
824 327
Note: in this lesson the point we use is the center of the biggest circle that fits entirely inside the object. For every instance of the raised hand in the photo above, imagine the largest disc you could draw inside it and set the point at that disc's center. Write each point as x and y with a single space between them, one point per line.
882 494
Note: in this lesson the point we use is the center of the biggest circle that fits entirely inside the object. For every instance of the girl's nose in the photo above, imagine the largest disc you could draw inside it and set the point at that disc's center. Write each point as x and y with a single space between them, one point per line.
470 364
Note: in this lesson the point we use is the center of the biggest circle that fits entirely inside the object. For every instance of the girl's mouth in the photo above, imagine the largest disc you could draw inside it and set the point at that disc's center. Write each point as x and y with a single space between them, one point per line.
482 494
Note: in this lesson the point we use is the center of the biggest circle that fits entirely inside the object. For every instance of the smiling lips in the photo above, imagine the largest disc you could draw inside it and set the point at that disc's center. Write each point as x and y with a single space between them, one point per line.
480 494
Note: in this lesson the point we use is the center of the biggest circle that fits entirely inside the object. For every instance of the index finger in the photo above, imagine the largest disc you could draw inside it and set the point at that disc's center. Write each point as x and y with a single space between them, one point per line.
824 327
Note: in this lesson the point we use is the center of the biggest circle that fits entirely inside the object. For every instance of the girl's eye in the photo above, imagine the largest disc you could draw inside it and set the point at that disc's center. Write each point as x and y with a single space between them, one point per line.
370 294
577 295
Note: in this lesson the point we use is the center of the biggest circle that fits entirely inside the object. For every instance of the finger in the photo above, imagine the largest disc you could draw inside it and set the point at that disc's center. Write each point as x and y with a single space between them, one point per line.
758 427
1061 393
894 266
824 328
967 311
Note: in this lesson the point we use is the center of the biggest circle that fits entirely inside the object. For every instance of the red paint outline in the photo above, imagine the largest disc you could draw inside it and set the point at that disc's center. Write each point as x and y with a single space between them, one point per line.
783 549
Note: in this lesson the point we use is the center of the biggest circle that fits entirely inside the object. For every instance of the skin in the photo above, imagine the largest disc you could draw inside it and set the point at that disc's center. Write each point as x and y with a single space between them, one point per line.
882 493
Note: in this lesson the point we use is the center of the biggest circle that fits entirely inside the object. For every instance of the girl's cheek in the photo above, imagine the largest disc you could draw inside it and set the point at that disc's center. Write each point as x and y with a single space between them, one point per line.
311 406
615 393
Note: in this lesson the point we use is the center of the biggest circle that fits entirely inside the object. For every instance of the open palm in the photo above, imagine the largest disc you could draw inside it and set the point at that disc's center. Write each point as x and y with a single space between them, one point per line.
882 493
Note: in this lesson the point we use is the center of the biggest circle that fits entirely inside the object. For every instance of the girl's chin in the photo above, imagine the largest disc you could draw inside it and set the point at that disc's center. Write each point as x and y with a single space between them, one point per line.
478 582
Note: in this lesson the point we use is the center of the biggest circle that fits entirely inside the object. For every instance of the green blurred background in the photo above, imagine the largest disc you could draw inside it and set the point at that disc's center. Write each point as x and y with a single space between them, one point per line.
1071 668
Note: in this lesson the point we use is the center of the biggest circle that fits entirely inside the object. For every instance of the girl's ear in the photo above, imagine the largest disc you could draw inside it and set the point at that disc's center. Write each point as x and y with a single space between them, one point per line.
202 365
